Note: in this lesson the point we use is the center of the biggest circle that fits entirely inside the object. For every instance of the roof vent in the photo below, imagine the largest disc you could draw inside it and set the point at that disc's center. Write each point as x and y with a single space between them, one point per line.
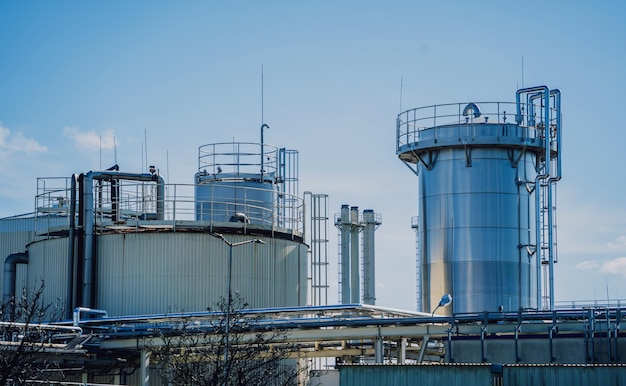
474 110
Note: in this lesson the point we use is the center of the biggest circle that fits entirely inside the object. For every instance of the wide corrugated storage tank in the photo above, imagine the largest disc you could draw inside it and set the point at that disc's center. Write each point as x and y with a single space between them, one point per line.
156 272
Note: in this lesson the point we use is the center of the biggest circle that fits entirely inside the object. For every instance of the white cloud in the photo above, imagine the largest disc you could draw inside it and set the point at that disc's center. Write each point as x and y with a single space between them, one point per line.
17 143
620 242
90 140
586 265
616 266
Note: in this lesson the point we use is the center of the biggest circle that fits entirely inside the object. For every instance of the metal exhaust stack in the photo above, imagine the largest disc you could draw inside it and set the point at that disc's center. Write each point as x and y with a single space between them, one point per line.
371 222
355 228
344 227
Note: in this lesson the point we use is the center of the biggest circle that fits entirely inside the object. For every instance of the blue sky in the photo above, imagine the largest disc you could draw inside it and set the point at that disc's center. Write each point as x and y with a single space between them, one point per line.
73 75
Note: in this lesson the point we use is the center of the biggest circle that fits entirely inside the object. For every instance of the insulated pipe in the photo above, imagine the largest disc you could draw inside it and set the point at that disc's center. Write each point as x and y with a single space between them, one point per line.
538 237
85 310
70 246
519 120
10 271
557 94
551 181
556 176
355 285
345 254
263 127
88 218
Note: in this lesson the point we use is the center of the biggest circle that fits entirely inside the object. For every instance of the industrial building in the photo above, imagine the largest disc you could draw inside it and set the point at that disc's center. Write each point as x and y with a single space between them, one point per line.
125 254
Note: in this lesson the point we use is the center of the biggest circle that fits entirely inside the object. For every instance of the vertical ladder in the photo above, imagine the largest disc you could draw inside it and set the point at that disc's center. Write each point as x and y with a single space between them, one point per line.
318 241
418 264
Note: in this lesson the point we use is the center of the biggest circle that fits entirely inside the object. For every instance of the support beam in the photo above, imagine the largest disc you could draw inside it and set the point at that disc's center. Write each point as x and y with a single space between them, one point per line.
424 344
144 367
401 351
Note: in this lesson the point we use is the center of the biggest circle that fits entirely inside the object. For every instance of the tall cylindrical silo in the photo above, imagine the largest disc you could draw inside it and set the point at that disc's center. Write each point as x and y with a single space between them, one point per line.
477 178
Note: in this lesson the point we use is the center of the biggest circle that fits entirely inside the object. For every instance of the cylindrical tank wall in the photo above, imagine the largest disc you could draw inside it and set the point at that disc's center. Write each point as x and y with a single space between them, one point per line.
48 263
17 233
143 273
220 200
475 221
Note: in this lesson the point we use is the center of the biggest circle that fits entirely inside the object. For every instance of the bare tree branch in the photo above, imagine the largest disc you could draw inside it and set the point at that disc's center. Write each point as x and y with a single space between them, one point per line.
194 354
23 340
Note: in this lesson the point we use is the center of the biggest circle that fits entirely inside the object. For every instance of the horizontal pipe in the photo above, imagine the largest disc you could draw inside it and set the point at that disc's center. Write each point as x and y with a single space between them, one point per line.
42 326
85 310
360 317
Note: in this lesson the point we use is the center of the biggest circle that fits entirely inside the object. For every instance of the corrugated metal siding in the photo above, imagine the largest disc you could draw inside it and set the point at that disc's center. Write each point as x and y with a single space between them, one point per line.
47 261
16 233
564 375
158 272
414 375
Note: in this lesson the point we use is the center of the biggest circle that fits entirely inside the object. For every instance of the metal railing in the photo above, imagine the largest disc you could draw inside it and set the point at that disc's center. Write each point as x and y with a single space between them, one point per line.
135 202
411 123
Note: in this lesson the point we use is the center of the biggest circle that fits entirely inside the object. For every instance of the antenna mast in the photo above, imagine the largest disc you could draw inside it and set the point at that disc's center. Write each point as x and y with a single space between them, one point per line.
401 93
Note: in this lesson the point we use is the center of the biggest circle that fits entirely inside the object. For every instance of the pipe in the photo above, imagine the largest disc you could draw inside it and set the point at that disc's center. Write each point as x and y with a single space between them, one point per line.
551 181
88 218
552 177
70 247
10 271
42 326
355 228
519 119
79 310
352 316
263 126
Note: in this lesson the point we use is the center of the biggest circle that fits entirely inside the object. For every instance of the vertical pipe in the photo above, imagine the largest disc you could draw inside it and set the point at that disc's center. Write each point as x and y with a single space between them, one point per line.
519 119
355 228
551 182
538 237
70 247
10 271
345 254
550 248
378 349
144 366
160 198
401 355
80 243
88 218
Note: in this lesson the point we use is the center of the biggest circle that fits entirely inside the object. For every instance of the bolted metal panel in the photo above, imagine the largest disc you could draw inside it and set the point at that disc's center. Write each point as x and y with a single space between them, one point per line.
415 375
